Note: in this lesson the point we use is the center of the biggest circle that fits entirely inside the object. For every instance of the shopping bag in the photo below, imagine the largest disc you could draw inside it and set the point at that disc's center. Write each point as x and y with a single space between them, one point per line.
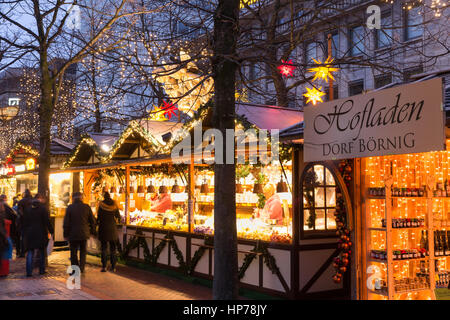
7 253
50 246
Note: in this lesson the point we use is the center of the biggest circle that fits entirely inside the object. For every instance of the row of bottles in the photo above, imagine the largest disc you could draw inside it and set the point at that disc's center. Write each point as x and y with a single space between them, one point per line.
441 190
441 243
405 254
405 222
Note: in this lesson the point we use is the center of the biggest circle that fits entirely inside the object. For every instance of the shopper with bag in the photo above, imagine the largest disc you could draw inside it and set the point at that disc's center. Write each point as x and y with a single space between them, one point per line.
108 216
22 206
36 232
79 224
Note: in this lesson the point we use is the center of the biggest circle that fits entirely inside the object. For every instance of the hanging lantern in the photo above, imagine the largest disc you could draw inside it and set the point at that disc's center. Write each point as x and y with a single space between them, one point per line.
258 188
151 188
121 190
113 190
286 68
163 189
314 95
282 186
140 191
176 188
131 189
323 72
204 188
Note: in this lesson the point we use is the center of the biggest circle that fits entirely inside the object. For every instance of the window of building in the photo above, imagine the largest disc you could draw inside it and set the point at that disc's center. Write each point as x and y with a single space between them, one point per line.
319 199
384 35
357 41
408 73
382 80
413 23
310 52
355 87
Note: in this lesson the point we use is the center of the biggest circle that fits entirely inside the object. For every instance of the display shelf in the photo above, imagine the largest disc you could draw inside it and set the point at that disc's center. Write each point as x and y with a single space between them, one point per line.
389 235
376 229
398 260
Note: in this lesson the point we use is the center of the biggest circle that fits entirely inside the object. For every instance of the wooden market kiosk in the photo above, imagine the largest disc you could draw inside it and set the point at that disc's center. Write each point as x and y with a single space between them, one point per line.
20 172
398 205
270 258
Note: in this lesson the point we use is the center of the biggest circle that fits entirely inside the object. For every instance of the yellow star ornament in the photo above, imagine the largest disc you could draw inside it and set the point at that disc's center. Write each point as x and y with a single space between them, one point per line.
157 114
323 72
314 95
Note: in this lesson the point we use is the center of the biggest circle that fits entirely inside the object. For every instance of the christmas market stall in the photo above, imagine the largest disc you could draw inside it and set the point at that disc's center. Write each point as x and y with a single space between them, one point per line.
168 206
387 153
20 172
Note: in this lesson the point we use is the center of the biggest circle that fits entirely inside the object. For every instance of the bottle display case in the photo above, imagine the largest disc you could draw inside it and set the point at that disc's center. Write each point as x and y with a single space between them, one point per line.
407 225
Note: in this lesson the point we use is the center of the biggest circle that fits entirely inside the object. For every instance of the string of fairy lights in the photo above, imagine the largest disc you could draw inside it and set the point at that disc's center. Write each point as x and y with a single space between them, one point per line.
25 126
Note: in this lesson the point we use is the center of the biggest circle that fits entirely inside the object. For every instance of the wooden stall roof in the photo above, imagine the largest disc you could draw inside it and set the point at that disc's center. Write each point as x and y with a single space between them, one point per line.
23 150
142 138
148 141
91 147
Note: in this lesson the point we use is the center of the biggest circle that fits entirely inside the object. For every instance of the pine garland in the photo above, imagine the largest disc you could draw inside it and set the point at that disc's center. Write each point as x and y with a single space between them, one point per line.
152 258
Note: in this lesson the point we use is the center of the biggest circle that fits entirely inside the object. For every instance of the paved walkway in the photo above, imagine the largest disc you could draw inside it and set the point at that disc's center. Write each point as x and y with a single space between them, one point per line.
126 283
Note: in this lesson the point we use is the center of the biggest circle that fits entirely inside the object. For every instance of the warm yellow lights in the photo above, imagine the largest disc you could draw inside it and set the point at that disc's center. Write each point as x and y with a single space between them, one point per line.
323 72
157 114
30 163
314 95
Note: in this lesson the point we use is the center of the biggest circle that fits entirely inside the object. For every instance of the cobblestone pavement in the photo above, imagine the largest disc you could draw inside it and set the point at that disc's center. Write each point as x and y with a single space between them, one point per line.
126 283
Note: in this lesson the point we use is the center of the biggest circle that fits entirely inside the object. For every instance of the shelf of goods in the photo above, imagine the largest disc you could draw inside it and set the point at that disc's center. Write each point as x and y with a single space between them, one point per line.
403 265
407 225
248 226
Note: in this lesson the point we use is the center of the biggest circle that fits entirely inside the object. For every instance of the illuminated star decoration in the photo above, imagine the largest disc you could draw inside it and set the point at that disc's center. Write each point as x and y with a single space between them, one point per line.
323 72
314 95
169 109
157 114
286 68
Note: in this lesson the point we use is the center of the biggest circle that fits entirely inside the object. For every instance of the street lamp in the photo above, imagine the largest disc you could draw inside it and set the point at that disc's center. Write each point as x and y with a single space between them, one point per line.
8 113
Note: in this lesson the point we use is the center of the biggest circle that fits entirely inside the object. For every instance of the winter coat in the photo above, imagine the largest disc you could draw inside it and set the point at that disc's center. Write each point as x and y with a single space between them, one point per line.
22 206
79 222
36 226
3 234
108 216
11 215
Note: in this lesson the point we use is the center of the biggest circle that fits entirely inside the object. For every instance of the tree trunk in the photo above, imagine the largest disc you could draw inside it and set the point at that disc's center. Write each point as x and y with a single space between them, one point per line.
45 121
225 284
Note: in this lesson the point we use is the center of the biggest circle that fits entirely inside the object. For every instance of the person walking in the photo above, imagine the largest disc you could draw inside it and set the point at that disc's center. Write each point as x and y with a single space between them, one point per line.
3 234
11 215
108 216
79 224
22 206
37 229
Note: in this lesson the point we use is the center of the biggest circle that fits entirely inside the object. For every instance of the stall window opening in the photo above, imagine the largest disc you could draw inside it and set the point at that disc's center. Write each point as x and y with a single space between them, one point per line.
319 199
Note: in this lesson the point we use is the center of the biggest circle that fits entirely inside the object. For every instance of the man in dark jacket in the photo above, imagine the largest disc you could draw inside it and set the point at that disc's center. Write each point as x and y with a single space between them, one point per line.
79 224
36 227
22 206
108 216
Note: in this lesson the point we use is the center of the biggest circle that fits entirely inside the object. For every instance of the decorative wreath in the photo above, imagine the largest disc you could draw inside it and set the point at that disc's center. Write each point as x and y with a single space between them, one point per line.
344 244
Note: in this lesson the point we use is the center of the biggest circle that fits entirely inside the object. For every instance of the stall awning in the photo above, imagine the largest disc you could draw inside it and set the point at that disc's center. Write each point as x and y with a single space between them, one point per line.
269 117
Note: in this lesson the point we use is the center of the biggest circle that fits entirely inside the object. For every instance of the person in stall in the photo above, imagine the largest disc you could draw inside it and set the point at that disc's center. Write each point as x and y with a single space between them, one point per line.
162 203
272 209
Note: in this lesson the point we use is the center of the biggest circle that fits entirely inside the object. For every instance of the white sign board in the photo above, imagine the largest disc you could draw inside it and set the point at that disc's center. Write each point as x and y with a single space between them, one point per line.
400 120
